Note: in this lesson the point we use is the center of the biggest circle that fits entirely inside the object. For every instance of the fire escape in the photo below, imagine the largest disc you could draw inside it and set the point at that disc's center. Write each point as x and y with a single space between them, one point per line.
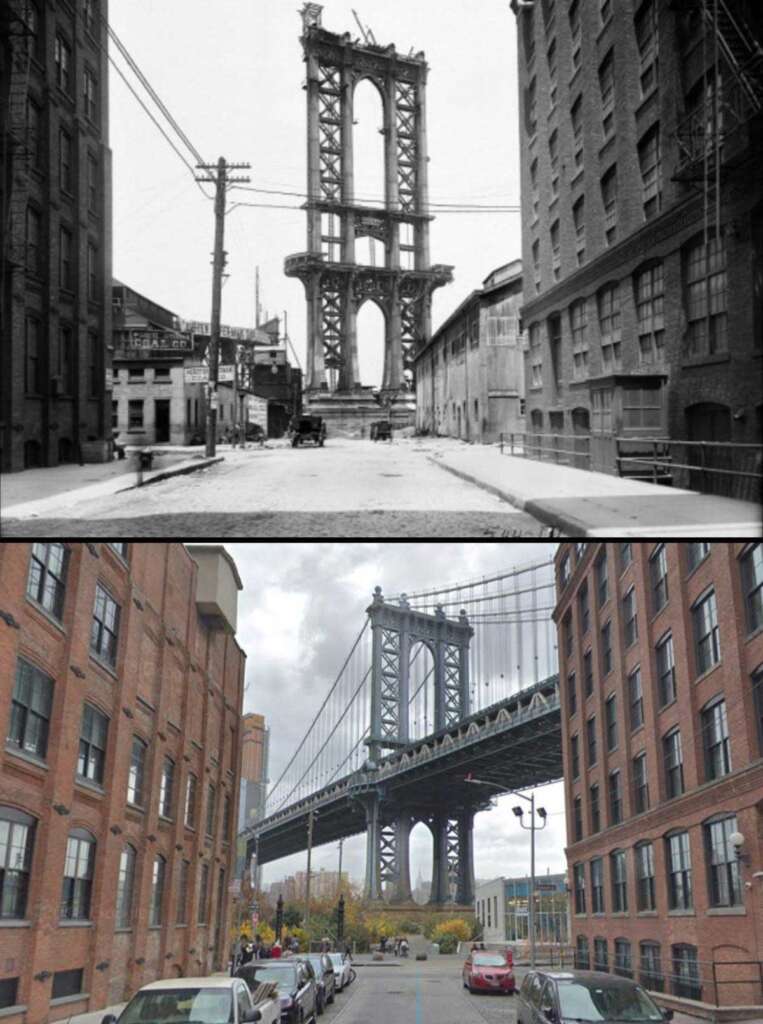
19 32
714 132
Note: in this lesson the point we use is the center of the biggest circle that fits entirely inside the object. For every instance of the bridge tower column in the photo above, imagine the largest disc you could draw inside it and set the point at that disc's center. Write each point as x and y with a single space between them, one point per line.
372 887
465 893
440 888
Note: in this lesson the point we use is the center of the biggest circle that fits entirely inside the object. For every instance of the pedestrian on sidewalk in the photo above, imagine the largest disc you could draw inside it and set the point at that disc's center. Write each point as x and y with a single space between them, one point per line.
275 950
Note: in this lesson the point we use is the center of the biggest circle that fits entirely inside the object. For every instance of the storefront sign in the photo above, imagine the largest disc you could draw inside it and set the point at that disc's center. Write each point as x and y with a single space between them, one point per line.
157 341
200 374
257 411
228 333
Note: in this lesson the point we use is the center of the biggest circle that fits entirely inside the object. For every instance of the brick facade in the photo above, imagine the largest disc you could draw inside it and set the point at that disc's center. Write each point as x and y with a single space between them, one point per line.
56 333
716 933
177 685
678 383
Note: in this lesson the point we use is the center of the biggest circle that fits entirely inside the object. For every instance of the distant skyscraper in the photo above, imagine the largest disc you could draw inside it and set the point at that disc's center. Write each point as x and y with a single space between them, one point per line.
254 778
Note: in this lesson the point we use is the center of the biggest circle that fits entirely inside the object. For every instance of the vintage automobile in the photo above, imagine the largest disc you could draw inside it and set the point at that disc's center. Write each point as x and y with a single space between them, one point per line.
381 430
202 1000
307 430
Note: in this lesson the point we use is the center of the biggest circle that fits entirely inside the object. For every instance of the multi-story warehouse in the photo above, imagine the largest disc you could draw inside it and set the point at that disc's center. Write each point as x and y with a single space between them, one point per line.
55 241
121 686
661 662
470 375
642 221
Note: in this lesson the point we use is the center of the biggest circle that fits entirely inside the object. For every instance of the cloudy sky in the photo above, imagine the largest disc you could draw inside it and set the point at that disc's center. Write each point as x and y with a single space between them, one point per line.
300 611
231 73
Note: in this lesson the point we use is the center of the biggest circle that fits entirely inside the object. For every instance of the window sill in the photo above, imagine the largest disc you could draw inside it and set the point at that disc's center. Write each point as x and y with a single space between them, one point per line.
46 614
154 927
11 923
646 100
103 664
755 633
181 925
10 1011
164 820
708 672
723 911
646 913
64 1000
75 924
24 755
681 913
92 787
122 931
135 808
708 360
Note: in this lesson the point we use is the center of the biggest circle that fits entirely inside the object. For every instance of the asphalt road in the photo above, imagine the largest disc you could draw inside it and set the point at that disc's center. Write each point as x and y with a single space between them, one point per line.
417 992
347 489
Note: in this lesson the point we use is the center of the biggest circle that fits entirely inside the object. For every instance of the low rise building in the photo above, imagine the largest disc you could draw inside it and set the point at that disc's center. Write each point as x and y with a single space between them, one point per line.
470 376
502 908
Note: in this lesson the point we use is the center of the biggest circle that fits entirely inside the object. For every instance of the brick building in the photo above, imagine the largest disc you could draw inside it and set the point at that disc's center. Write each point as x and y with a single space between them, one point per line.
643 295
661 662
55 243
470 375
121 686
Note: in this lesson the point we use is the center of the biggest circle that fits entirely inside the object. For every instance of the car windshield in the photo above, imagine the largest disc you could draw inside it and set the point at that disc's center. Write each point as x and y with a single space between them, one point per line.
489 960
336 959
316 962
284 976
180 1006
592 1002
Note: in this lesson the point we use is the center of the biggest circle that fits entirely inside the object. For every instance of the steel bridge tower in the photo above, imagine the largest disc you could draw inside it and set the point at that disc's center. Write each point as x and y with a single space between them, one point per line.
397 629
336 285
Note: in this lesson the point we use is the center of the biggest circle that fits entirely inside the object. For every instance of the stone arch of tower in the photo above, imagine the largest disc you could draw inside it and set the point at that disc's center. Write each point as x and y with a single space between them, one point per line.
335 283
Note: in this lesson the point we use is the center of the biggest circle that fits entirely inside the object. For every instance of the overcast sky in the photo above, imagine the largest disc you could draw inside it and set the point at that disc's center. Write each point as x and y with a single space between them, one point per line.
302 607
231 73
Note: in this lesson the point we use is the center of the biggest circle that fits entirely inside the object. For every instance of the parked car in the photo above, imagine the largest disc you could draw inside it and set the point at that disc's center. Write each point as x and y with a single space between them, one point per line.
488 972
324 976
555 997
198 1000
381 430
342 969
296 983
254 432
307 430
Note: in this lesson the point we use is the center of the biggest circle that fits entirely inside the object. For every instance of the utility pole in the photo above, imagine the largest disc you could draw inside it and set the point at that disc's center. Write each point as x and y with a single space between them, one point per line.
218 176
339 879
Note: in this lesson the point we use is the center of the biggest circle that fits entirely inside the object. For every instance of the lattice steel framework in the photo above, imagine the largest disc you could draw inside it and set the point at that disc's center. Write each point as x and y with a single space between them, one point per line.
389 688
452 684
453 854
336 284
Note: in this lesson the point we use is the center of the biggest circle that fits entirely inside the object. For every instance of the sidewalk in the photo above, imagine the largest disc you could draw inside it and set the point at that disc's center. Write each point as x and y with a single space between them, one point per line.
38 492
95 1017
585 504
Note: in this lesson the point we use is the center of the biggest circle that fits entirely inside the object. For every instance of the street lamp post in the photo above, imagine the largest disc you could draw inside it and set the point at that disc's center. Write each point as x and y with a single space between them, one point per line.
532 830
310 820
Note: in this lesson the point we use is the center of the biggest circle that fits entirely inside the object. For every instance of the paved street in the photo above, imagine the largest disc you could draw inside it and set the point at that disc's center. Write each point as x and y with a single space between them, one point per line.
348 488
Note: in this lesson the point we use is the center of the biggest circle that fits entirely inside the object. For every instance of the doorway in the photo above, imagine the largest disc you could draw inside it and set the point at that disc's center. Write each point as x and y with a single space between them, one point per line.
162 420
709 421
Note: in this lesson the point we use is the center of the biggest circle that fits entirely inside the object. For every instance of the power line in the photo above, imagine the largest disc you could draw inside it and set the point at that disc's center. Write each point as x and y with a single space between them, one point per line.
491 207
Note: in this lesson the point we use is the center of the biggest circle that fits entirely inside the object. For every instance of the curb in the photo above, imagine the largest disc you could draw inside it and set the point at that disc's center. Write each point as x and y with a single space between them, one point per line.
171 471
532 508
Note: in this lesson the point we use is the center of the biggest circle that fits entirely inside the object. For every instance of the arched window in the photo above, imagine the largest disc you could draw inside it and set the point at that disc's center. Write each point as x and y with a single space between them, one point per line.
600 956
16 845
125 885
78 876
137 772
650 974
723 876
623 958
705 296
157 891
645 895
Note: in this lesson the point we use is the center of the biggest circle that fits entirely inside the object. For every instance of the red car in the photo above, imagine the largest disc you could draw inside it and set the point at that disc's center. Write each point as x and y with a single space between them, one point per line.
488 972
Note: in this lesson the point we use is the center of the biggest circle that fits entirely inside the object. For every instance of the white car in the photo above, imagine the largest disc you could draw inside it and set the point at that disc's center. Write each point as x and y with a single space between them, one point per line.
342 970
201 1000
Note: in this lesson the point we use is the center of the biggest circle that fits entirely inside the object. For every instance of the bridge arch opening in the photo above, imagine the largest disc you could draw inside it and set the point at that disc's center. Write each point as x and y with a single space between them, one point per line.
421 690
421 853
372 330
368 144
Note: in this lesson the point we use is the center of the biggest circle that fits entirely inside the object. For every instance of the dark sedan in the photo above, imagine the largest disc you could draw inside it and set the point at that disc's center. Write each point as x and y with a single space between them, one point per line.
325 977
297 988
562 997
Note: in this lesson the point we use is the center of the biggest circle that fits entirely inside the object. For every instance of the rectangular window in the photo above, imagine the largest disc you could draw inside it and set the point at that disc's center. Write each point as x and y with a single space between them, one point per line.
577 819
686 979
609 199
647 39
578 219
635 700
640 784
609 326
597 886
135 414
157 891
16 842
752 586
226 819
93 364
575 33
651 976
556 252
32 364
588 672
666 671
678 858
723 864
64 160
210 810
63 59
579 331
136 777
92 272
658 571
46 583
591 740
607 89
593 794
34 133
536 357
650 315
66 359
574 756
203 894
67 983
582 961
705 297
650 162
104 632
8 993
645 893
602 582
190 802
166 787
136 375
65 268
91 95
707 646
615 798
33 240
610 709
92 183
696 552
579 887
757 697
626 556
601 410
31 705
125 887
623 958
90 15
181 914
78 877
606 647
618 871
600 956
92 745
567 631
583 608
673 760
630 618
715 734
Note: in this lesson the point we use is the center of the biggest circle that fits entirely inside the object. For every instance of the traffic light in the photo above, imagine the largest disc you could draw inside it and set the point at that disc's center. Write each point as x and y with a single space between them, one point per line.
279 918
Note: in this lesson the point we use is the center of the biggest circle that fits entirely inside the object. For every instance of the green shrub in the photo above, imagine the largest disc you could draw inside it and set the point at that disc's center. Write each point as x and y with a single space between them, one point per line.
448 943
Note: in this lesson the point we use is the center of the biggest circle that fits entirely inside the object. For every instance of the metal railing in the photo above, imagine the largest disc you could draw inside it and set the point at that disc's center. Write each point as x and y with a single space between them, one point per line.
713 467
563 449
